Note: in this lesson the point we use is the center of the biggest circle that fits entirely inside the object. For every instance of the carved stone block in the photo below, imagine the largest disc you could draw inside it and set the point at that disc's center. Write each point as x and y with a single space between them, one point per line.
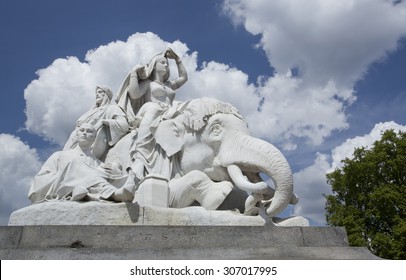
153 191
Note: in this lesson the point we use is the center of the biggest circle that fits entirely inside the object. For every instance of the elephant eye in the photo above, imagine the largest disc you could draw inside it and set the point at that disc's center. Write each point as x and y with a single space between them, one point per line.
215 129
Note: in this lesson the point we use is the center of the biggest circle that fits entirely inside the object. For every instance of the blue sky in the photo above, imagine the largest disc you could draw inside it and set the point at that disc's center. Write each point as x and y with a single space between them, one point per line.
316 78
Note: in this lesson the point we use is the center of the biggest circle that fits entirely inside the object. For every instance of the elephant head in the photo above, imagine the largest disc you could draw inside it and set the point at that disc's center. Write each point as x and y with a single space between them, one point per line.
212 137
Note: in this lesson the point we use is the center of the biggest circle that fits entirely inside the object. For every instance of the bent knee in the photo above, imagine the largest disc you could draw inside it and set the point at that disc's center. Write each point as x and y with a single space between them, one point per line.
197 176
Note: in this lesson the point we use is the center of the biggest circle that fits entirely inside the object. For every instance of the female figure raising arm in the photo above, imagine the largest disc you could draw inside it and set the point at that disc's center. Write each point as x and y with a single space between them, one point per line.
146 96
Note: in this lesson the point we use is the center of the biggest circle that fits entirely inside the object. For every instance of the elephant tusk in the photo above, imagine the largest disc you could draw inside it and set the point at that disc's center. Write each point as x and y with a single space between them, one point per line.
243 183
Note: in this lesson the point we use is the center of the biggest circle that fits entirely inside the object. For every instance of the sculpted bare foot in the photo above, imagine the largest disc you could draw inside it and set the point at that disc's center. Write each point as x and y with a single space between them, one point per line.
127 191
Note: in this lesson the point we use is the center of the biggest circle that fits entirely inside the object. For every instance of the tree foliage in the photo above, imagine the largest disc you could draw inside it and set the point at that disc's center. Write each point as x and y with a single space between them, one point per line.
369 197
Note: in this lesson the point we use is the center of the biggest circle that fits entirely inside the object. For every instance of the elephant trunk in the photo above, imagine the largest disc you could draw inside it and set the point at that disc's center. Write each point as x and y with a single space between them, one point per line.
255 155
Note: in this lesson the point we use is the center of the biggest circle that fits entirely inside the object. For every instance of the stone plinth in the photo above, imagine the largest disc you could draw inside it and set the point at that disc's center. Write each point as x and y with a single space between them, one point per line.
153 191
95 230
176 242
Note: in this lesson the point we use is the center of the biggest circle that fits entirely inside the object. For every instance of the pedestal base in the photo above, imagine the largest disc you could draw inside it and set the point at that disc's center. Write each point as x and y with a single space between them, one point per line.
176 242
95 230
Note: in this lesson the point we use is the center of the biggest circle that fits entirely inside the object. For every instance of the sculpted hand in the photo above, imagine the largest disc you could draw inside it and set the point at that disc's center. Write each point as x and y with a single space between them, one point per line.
112 169
171 54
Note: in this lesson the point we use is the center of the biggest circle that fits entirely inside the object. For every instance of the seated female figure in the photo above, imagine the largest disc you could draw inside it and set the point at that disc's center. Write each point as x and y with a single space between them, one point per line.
146 96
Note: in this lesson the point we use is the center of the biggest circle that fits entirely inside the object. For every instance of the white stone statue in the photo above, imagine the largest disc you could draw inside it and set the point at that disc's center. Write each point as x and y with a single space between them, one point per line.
167 153
76 174
109 120
147 95
212 151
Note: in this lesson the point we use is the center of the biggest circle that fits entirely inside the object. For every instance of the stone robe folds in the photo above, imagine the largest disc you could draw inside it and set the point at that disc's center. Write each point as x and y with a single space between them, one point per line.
113 114
65 170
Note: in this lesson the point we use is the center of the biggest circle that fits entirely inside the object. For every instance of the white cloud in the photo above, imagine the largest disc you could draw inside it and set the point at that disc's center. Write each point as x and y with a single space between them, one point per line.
346 149
325 39
18 166
331 44
290 109
62 93
310 183
222 82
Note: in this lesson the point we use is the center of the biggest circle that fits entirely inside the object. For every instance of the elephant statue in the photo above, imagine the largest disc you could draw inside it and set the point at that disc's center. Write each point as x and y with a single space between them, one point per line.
212 153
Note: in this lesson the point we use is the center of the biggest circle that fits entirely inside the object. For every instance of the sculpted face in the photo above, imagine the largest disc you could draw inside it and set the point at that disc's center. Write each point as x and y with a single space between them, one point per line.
206 153
86 135
162 67
100 95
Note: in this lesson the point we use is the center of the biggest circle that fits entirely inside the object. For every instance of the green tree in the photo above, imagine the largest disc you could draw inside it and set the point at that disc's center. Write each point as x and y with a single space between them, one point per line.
369 197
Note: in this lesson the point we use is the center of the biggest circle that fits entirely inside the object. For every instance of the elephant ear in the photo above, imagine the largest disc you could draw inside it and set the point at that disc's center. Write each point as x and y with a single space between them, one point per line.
169 135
